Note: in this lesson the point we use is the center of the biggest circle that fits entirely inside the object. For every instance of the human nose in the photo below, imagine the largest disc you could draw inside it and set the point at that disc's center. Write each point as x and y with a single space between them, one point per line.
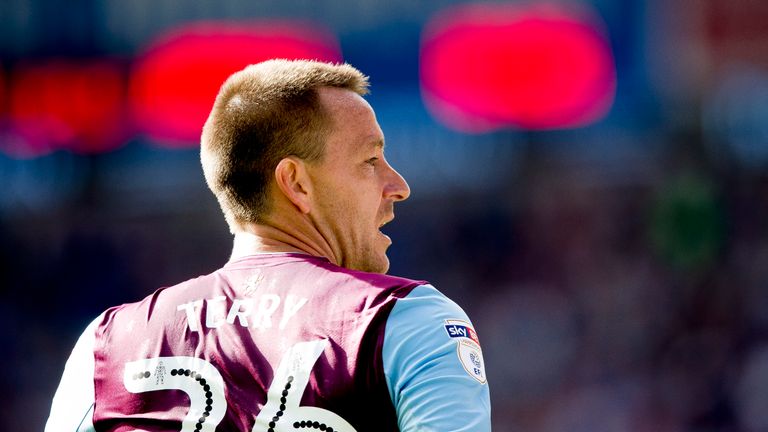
397 188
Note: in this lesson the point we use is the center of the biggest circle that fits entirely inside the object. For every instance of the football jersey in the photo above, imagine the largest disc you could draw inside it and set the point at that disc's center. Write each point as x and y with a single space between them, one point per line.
277 342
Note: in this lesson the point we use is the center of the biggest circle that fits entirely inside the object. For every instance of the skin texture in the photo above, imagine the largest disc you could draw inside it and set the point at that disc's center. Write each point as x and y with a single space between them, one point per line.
333 207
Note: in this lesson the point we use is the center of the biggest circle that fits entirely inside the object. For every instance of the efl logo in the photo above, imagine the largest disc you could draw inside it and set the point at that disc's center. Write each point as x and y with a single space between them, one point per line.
467 348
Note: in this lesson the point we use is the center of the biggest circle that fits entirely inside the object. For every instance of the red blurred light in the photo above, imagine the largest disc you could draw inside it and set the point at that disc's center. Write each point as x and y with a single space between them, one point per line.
65 105
2 93
484 67
174 84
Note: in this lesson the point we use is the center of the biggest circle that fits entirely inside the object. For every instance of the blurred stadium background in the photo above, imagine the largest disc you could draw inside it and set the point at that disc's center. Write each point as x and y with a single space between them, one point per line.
589 178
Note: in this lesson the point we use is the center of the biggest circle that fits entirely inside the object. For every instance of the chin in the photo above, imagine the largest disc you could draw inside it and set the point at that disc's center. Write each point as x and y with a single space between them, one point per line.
384 268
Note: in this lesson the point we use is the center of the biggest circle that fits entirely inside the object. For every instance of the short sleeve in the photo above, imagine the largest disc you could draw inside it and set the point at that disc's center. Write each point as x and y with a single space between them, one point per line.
434 366
72 405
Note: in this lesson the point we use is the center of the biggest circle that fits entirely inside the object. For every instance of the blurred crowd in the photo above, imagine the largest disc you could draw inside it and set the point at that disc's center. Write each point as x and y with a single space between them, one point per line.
616 273
635 306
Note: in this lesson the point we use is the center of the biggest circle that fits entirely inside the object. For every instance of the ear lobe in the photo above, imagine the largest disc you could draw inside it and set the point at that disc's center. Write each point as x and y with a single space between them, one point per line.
292 180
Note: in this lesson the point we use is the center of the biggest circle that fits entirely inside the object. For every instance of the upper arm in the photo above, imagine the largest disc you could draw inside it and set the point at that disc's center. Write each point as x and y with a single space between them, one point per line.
434 366
74 398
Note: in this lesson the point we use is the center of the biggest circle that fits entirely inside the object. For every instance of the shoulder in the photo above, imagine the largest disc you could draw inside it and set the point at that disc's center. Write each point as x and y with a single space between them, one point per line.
374 286
159 306
426 317
373 279
425 298
433 364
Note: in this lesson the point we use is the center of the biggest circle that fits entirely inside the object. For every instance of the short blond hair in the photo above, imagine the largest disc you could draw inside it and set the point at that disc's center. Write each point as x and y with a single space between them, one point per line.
262 114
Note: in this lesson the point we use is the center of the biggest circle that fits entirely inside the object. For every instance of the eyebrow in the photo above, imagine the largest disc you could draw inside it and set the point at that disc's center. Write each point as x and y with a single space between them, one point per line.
372 142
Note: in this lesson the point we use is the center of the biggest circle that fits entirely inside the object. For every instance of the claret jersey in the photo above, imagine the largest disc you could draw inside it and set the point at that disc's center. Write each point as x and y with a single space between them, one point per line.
278 342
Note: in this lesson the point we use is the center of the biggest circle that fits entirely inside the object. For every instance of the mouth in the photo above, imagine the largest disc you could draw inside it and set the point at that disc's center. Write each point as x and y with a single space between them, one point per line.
382 225
386 222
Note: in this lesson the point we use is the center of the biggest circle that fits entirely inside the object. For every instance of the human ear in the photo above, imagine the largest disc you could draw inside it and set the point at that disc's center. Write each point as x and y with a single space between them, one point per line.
292 180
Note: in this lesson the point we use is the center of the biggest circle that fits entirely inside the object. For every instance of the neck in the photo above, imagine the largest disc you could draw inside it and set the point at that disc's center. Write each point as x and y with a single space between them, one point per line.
263 238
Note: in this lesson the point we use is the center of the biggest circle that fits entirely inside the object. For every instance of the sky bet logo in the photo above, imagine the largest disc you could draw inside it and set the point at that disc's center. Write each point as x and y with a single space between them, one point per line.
468 350
461 331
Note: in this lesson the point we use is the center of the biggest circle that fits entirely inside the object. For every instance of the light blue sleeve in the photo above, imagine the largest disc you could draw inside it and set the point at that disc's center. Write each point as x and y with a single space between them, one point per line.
434 366
72 406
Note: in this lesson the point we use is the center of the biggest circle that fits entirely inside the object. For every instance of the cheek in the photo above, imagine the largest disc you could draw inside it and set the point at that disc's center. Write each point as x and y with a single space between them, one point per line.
354 204
347 216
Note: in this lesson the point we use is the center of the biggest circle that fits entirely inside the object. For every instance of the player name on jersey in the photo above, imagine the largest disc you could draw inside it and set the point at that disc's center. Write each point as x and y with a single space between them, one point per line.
263 312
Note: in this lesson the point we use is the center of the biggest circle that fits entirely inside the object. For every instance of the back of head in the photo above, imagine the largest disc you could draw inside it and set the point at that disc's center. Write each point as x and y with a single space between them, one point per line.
262 114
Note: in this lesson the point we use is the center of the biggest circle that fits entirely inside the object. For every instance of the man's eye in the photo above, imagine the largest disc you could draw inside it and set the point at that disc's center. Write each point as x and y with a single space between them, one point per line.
372 161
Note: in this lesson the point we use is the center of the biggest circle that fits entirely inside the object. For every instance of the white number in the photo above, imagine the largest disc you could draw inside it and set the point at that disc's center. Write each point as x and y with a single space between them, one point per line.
203 384
196 377
282 412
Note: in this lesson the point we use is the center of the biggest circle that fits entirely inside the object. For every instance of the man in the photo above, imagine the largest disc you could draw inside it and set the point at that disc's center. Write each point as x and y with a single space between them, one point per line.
301 329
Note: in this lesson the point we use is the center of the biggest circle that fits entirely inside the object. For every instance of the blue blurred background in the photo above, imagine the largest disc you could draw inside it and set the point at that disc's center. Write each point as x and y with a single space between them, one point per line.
614 264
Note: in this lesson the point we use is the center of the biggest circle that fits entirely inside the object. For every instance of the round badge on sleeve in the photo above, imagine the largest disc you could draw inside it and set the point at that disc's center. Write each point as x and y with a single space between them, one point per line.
468 348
